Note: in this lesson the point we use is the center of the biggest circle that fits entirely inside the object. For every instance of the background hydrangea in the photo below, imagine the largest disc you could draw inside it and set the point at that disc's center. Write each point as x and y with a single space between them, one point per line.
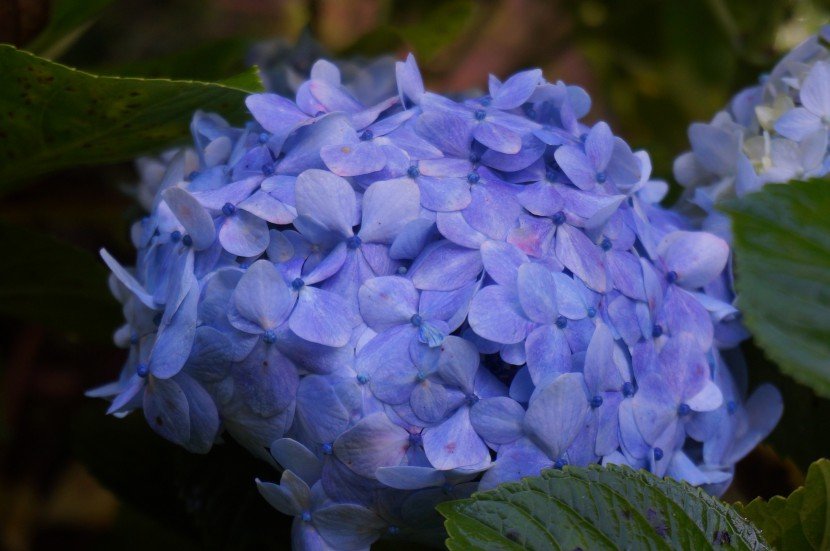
400 301
770 133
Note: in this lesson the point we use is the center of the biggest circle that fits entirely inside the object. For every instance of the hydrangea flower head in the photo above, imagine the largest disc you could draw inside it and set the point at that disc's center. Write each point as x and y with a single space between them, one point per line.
773 132
401 301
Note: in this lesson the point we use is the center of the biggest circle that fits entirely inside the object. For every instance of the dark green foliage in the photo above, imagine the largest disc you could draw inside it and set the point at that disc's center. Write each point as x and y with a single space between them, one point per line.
800 521
782 251
596 508
53 117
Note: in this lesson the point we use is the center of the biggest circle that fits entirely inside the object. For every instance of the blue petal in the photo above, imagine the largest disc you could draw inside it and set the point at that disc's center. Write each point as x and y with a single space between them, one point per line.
557 413
408 477
262 300
279 498
497 138
192 215
244 234
458 363
202 413
373 442
410 84
322 317
353 159
266 206
444 194
537 293
429 401
387 207
348 526
576 166
327 198
319 411
293 456
167 411
515 461
516 90
454 443
696 257
412 239
175 339
498 420
387 301
599 145
495 314
502 261
581 256
275 113
266 380
444 266
548 354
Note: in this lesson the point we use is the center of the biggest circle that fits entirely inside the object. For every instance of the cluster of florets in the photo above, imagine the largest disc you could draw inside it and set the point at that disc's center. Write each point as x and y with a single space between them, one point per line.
770 133
401 302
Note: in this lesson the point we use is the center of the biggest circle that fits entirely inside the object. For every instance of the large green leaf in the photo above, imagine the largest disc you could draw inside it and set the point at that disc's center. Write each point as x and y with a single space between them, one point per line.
782 251
67 21
800 521
53 117
48 281
596 508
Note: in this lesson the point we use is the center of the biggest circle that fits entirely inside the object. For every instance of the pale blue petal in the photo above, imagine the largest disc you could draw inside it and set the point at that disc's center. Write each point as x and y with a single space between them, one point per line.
496 315
322 317
454 443
556 414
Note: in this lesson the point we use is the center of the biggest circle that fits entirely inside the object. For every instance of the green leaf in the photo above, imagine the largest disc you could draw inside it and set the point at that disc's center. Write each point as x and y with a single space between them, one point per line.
47 281
68 20
54 117
782 252
800 521
596 508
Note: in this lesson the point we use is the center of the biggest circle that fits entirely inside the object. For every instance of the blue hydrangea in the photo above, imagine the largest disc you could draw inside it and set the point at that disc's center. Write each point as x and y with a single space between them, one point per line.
399 302
773 132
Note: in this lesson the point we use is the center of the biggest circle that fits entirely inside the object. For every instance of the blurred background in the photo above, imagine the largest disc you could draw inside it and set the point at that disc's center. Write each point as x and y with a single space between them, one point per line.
71 478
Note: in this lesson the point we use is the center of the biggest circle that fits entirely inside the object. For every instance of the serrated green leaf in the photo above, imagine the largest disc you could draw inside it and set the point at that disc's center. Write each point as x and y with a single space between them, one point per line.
54 117
782 252
596 508
800 521
47 281
67 21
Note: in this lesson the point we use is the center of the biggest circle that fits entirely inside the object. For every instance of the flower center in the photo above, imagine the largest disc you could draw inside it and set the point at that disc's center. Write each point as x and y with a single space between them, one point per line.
353 242
142 370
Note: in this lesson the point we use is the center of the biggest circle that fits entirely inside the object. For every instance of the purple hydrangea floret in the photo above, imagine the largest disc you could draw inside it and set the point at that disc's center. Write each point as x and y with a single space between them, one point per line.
397 302
773 132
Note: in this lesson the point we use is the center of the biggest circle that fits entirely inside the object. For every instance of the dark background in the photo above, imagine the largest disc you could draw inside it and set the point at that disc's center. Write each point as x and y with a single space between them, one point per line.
71 478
